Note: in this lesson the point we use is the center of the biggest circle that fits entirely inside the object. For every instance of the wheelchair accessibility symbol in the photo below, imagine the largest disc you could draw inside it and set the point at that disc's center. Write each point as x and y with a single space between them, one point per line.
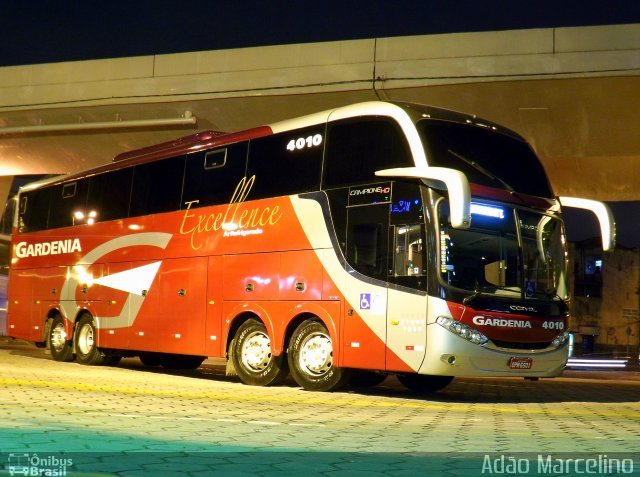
365 301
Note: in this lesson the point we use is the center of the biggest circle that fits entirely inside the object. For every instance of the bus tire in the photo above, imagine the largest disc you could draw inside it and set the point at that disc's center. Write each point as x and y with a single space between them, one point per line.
311 359
423 383
60 347
252 358
84 340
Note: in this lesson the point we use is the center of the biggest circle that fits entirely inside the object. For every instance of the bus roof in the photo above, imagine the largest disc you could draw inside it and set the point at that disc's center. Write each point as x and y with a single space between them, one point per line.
401 111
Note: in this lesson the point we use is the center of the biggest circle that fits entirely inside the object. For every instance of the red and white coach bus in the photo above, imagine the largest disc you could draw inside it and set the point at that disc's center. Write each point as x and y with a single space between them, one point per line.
373 239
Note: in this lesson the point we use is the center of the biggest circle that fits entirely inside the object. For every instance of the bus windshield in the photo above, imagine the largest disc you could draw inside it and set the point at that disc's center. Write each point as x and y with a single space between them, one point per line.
494 257
486 157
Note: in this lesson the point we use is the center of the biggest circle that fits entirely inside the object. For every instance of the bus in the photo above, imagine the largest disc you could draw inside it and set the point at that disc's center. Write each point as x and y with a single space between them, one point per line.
340 247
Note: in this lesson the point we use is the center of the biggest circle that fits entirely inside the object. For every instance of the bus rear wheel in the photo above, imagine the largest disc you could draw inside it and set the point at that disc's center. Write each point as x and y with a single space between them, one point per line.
84 338
311 359
59 345
252 358
422 383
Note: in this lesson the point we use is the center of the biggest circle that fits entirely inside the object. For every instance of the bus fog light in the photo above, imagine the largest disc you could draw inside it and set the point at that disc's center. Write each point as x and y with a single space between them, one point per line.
462 330
448 358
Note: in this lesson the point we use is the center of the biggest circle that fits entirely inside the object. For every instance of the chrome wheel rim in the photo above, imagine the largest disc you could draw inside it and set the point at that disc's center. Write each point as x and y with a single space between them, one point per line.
85 342
316 354
58 337
256 351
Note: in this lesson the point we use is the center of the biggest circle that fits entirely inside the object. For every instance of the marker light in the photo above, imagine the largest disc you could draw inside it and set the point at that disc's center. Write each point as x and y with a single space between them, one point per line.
462 330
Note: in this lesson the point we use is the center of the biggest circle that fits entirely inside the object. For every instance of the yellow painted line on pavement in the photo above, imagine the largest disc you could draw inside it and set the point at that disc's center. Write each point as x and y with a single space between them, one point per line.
392 403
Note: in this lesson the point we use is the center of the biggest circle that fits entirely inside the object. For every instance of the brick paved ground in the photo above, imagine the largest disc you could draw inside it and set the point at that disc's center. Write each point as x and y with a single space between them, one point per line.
131 420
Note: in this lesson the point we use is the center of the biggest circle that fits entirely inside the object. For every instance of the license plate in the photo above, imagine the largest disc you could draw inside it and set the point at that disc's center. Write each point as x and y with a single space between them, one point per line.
520 363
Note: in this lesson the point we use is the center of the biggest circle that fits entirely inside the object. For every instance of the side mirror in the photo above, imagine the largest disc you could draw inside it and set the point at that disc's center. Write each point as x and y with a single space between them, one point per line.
602 212
455 182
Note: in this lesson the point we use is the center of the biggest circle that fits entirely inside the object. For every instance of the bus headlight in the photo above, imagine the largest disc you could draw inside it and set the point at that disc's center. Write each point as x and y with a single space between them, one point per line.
560 340
462 330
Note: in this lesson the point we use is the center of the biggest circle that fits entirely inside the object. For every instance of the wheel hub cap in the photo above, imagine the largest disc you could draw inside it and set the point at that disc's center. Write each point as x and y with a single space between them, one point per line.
317 354
58 337
256 351
85 339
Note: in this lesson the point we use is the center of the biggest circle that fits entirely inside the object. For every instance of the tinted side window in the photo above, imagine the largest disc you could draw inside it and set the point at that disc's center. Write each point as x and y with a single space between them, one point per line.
109 195
367 239
34 210
67 204
286 163
157 186
356 148
212 176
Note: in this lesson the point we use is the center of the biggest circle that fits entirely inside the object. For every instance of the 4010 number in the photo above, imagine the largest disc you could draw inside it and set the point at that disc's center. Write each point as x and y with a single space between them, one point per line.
553 325
304 142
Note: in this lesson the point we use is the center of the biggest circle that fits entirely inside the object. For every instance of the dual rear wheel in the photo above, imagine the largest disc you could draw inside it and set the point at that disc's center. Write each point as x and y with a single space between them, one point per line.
81 346
309 358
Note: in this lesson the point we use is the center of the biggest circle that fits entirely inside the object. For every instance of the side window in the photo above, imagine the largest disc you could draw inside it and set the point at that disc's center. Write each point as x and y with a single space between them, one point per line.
367 240
409 236
367 237
356 148
109 195
34 210
68 202
286 163
157 186
212 176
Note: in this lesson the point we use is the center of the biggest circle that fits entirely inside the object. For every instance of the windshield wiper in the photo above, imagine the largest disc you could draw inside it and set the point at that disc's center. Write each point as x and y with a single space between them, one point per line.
484 171
488 290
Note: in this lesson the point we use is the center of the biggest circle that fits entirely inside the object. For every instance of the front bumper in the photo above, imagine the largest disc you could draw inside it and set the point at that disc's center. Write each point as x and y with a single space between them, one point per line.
451 355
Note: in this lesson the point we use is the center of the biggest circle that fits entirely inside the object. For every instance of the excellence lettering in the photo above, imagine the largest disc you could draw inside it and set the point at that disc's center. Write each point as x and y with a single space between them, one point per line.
234 217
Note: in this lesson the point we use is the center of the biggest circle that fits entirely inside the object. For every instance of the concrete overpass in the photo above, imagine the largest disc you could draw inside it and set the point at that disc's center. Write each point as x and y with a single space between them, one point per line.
573 92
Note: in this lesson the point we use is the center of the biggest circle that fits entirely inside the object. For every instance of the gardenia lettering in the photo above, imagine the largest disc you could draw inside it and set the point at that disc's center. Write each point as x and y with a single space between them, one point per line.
24 249
483 321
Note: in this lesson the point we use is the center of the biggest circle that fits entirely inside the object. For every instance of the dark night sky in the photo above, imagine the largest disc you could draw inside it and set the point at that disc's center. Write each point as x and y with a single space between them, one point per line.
48 31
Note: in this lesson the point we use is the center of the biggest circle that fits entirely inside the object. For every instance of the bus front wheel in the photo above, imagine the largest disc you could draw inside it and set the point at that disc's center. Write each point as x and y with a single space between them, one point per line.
252 358
59 345
311 359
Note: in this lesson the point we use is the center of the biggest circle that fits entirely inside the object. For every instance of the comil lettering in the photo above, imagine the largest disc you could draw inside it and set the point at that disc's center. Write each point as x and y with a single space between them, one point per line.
502 322
530 309
24 249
